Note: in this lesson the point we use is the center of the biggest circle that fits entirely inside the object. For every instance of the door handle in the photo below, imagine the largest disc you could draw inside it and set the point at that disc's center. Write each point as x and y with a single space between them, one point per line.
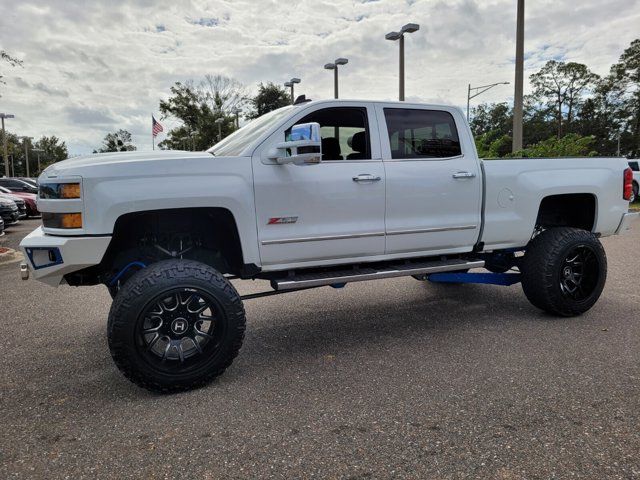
464 175
366 177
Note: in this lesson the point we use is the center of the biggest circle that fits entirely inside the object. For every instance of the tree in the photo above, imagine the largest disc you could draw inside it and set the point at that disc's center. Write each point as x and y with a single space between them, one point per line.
624 89
197 107
561 86
119 141
11 60
53 150
571 145
269 97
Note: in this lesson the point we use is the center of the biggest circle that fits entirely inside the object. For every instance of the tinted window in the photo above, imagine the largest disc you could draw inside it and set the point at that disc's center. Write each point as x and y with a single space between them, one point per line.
634 166
344 132
421 133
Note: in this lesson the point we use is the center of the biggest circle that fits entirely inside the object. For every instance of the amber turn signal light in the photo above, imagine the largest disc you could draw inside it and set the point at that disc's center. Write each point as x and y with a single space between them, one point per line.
62 220
70 190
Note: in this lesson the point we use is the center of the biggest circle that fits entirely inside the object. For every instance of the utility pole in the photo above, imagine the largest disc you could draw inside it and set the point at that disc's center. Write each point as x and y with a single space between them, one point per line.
481 89
518 94
25 140
5 155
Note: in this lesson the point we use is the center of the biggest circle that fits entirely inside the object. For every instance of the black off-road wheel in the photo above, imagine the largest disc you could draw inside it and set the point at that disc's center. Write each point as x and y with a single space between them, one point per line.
564 271
175 325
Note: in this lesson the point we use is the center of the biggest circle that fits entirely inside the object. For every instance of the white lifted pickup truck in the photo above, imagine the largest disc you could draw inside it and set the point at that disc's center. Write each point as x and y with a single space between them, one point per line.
314 194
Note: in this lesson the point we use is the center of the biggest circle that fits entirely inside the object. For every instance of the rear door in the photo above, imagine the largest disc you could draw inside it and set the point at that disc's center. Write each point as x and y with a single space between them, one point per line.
434 182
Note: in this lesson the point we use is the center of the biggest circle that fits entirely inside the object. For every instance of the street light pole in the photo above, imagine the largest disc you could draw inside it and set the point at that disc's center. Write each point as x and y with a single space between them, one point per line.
25 140
481 89
518 94
290 84
334 66
219 122
5 155
38 150
408 28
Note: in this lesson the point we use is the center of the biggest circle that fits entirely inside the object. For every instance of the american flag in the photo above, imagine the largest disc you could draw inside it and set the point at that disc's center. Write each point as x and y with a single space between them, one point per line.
156 128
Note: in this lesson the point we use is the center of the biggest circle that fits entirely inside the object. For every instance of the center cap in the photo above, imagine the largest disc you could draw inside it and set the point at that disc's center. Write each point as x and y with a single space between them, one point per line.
179 326
567 271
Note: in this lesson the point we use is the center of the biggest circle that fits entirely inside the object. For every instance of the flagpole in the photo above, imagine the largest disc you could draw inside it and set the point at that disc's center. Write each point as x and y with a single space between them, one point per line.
153 139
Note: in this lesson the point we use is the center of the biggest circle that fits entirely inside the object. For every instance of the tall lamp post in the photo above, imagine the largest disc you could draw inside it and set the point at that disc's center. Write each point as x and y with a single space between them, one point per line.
219 121
5 155
38 151
334 66
290 84
479 91
26 140
408 28
518 93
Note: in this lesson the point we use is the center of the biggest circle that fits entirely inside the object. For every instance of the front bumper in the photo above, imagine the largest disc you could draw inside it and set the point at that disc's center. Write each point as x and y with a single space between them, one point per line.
626 224
51 257
10 216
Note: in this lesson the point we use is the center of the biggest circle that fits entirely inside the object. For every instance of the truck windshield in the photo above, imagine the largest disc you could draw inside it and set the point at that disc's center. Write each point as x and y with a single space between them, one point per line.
235 143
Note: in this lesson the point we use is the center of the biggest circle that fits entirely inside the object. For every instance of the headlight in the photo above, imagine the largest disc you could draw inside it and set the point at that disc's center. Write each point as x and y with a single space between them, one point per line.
59 190
61 220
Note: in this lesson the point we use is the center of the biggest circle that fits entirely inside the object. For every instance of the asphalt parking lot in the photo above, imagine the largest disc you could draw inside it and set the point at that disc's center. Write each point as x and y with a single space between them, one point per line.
387 379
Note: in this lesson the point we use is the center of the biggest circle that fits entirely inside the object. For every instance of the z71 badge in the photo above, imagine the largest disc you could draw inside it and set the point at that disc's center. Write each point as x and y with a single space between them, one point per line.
282 220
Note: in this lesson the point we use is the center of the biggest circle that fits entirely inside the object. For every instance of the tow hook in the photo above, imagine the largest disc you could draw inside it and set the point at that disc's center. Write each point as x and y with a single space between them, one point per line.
24 271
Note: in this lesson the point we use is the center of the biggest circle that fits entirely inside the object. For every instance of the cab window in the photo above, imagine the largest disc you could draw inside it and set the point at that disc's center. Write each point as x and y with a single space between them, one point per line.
344 132
421 133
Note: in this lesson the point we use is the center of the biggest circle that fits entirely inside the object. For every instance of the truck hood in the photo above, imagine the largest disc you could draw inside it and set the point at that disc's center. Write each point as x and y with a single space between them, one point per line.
75 165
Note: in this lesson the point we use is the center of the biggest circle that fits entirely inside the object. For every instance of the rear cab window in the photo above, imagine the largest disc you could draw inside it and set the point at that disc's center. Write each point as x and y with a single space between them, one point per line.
634 166
421 134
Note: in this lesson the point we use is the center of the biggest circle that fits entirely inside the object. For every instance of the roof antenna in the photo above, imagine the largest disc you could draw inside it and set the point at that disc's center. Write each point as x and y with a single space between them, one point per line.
301 99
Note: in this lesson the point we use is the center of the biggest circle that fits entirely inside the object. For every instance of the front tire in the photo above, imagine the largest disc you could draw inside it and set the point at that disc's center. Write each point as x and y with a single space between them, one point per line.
564 271
175 325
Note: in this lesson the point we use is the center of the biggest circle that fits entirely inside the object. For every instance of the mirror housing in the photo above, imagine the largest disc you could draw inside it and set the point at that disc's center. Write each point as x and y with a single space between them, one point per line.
303 145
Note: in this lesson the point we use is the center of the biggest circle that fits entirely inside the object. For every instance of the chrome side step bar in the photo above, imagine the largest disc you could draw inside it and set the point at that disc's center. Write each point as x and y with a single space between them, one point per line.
308 280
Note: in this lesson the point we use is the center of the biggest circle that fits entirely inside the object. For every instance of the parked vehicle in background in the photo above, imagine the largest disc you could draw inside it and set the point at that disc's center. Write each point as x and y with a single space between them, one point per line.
1 227
9 212
635 166
17 185
315 194
30 200
29 180
20 203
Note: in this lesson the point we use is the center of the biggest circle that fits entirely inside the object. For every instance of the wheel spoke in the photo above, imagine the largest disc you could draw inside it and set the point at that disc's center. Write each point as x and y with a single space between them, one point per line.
153 341
196 344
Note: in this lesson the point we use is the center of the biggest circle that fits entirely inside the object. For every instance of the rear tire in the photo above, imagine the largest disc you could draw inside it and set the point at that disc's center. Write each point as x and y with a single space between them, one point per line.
175 325
564 271
635 192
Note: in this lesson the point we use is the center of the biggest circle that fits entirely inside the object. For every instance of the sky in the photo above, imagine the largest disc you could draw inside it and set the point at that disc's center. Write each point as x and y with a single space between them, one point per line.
95 66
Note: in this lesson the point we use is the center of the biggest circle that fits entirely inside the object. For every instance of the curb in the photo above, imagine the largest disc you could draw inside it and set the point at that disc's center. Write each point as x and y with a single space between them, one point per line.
9 255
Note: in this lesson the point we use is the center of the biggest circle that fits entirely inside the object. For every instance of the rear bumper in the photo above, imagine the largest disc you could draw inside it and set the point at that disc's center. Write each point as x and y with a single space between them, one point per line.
51 257
626 224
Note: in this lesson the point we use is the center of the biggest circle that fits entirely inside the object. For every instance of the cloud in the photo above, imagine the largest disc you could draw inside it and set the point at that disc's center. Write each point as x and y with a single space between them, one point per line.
90 70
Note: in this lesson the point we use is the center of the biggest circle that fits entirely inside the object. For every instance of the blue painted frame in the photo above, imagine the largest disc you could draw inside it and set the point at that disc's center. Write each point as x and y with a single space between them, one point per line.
56 253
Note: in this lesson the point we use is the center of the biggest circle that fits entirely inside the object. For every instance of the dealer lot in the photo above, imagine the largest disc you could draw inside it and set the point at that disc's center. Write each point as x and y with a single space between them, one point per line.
393 378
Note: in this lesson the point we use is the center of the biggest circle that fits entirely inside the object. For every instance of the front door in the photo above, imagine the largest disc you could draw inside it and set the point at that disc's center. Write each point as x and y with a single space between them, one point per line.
329 212
434 182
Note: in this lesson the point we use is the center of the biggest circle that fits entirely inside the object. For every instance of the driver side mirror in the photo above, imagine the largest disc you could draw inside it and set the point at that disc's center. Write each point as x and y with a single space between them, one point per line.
301 146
